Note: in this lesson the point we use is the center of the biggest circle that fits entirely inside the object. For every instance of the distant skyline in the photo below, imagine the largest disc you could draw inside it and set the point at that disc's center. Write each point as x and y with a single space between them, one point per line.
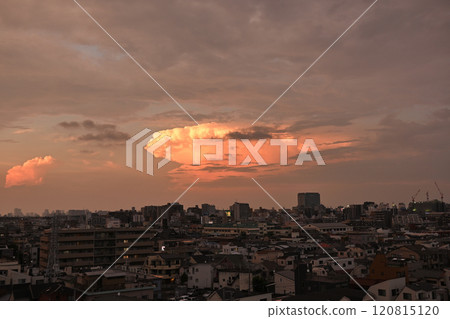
377 104
199 205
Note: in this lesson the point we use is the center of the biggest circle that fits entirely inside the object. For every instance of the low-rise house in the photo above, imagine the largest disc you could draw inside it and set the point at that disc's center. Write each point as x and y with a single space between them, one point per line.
422 291
266 254
200 276
383 268
284 282
229 294
287 261
11 274
236 279
387 290
433 258
319 271
357 252
347 263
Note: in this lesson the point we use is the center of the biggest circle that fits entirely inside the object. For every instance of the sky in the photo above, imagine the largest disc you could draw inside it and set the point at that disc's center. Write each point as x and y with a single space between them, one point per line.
377 104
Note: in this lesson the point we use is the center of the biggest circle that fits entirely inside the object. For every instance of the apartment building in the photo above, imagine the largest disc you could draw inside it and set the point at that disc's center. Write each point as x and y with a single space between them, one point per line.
329 228
163 265
84 248
230 229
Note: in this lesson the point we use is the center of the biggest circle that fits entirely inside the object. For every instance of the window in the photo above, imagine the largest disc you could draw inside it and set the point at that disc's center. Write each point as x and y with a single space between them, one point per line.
395 292
407 296
381 292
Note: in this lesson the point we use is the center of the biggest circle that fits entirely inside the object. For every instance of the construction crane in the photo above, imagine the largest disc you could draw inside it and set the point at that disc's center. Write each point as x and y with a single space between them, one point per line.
442 195
413 198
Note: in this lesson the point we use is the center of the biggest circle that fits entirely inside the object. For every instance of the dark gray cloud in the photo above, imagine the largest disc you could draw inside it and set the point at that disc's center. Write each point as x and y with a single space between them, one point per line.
88 152
103 132
319 119
91 125
69 125
341 142
255 132
105 136
8 140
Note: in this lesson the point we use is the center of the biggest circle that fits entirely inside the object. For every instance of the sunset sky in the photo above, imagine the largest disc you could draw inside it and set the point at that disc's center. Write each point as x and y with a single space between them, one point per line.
377 104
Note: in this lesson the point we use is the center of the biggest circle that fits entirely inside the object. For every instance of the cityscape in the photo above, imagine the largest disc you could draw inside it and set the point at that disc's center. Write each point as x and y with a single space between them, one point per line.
290 158
367 251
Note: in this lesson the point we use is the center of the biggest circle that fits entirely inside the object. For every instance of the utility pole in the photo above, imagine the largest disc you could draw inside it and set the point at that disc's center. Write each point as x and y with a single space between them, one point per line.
52 261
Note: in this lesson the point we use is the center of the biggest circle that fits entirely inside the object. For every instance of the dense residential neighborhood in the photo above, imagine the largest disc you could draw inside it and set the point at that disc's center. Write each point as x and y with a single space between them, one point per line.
355 252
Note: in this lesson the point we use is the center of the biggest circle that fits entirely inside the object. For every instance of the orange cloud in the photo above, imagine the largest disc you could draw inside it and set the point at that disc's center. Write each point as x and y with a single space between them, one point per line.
182 151
29 173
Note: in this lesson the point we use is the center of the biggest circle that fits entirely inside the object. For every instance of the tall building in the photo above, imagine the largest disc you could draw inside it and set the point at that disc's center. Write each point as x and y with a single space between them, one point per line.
152 213
353 212
383 218
208 209
308 200
240 211
308 203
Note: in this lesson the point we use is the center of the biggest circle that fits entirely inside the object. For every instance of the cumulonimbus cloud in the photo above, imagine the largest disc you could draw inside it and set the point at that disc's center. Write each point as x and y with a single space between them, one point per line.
181 143
31 172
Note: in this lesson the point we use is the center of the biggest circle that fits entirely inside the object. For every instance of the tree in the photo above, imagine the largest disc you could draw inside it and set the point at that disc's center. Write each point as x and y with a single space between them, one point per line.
259 284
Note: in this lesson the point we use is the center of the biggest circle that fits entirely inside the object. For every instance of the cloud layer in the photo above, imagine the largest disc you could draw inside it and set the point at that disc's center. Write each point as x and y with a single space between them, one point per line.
377 104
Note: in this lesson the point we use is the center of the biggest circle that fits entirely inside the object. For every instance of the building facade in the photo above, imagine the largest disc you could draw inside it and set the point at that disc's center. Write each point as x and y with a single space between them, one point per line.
85 248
